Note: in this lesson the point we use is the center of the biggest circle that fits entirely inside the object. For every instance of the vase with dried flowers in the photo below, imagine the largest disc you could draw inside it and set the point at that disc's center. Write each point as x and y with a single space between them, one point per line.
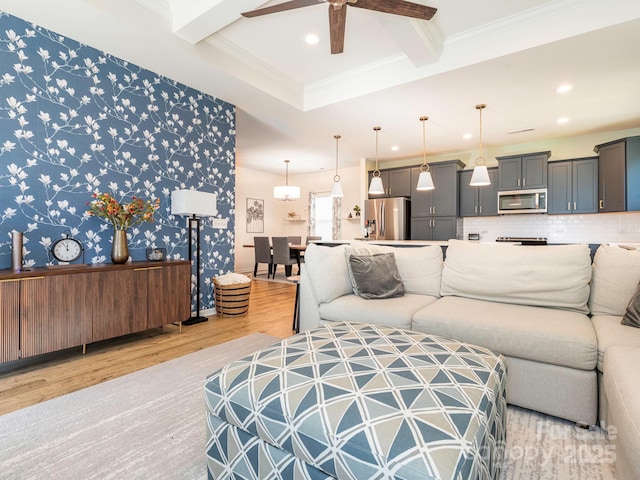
122 216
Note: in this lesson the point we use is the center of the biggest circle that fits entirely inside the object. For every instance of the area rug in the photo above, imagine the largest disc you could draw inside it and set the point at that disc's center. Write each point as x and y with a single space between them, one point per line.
150 425
280 277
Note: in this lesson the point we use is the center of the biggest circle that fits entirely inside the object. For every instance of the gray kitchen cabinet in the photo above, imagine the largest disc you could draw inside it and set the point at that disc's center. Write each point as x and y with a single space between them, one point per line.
434 228
619 175
395 181
478 201
442 201
517 172
573 186
400 182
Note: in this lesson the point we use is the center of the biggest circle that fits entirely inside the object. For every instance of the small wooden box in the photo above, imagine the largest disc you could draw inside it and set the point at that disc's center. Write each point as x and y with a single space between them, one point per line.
231 300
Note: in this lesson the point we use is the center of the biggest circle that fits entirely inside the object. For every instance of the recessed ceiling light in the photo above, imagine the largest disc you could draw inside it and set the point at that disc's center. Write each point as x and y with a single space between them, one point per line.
564 88
467 136
312 39
395 148
562 120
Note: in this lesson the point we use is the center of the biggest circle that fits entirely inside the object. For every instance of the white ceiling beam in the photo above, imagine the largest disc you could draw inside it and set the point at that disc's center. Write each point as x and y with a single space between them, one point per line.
421 41
195 20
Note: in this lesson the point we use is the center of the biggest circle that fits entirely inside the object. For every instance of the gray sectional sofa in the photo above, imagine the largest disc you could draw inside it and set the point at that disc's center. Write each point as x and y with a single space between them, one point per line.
548 310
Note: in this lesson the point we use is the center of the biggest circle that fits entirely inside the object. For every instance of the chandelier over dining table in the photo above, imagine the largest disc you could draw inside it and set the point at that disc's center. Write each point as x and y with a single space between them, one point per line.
286 192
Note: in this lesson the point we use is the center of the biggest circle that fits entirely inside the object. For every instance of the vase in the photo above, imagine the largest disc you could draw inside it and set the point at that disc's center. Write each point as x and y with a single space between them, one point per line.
119 248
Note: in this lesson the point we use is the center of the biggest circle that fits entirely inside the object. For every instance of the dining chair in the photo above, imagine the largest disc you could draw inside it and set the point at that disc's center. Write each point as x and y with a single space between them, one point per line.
282 255
295 240
311 238
262 250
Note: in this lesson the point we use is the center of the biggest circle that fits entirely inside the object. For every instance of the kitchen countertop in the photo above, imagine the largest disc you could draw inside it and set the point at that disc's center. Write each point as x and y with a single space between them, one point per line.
406 243
409 243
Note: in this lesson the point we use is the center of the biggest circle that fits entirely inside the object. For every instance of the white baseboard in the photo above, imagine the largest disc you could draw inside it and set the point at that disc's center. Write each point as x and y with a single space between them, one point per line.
205 313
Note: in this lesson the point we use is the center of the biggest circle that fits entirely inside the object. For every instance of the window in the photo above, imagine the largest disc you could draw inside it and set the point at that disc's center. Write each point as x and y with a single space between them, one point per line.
325 216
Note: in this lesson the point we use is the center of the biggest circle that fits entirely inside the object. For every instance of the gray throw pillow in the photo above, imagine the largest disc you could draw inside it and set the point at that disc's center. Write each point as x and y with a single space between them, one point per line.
375 276
632 315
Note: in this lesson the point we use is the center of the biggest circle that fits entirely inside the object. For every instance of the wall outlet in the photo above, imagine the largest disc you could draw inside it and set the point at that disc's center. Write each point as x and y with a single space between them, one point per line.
220 222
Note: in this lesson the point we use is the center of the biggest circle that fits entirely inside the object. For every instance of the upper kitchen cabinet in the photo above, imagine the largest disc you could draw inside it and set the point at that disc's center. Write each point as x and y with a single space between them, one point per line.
478 201
442 201
396 182
520 172
619 175
573 186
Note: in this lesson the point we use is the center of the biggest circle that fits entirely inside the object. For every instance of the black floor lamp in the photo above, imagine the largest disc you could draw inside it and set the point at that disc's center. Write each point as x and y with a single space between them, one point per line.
194 204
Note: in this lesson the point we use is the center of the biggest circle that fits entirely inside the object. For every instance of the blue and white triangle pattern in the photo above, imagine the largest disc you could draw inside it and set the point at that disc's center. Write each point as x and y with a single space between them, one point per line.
359 401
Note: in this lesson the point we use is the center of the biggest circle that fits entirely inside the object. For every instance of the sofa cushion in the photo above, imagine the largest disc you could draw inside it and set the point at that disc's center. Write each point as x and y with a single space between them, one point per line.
622 384
545 335
610 333
393 312
547 276
327 269
419 267
375 276
616 274
361 248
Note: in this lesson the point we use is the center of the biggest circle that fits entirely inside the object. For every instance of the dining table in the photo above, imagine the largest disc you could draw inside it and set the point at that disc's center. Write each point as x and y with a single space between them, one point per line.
298 250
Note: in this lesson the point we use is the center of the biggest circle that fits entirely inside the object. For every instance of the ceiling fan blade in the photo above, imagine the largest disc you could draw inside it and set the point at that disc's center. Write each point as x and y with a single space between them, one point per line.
281 7
397 7
337 21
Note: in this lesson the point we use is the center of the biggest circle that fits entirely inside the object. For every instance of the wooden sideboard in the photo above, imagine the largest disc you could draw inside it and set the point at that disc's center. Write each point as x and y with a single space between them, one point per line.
47 309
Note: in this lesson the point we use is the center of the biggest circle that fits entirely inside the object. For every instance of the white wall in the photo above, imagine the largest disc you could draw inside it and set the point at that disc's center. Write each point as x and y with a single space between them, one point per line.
254 184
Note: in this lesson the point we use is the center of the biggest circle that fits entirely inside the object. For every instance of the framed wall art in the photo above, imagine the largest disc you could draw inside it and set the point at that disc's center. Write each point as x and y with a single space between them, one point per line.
255 215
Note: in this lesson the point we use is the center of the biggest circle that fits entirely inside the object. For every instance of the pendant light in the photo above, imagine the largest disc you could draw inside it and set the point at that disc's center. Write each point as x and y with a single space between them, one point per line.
336 190
480 176
425 182
285 192
376 187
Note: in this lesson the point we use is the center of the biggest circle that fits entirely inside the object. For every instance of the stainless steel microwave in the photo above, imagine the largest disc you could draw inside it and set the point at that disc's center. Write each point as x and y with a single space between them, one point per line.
523 201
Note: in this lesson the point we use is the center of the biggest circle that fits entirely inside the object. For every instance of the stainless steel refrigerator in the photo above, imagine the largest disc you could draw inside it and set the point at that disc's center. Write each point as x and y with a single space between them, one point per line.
387 218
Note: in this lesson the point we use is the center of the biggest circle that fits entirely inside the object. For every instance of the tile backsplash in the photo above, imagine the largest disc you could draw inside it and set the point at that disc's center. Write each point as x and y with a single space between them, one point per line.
621 227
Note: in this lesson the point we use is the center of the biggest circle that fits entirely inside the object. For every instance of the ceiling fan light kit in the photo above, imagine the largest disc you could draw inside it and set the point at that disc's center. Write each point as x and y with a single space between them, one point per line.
338 13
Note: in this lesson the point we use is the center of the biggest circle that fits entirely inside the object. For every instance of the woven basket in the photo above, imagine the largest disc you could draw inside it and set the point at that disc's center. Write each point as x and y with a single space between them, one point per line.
232 300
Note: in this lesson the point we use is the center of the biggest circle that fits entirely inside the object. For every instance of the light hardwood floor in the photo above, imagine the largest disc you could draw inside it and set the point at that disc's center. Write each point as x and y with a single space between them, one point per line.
30 381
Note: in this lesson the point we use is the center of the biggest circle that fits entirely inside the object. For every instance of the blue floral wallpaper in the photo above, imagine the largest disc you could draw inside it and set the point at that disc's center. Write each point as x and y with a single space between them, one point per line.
75 120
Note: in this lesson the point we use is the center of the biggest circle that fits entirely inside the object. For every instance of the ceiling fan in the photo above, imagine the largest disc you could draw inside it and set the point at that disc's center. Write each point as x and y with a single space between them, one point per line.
338 13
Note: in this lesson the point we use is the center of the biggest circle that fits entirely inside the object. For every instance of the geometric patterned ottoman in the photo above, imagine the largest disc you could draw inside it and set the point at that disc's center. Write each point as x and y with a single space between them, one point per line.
358 401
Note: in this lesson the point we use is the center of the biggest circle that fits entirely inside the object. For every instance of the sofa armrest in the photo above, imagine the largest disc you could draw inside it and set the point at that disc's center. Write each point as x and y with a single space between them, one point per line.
309 305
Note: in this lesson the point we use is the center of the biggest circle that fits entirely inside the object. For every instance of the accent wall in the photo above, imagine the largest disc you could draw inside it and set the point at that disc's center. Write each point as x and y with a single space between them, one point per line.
76 121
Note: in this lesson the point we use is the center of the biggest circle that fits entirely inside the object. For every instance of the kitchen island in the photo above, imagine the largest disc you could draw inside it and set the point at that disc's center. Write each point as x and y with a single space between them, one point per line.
390 243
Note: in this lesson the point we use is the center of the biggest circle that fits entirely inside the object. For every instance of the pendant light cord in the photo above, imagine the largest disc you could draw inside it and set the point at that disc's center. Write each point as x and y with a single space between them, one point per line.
480 107
425 166
286 178
376 172
336 178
